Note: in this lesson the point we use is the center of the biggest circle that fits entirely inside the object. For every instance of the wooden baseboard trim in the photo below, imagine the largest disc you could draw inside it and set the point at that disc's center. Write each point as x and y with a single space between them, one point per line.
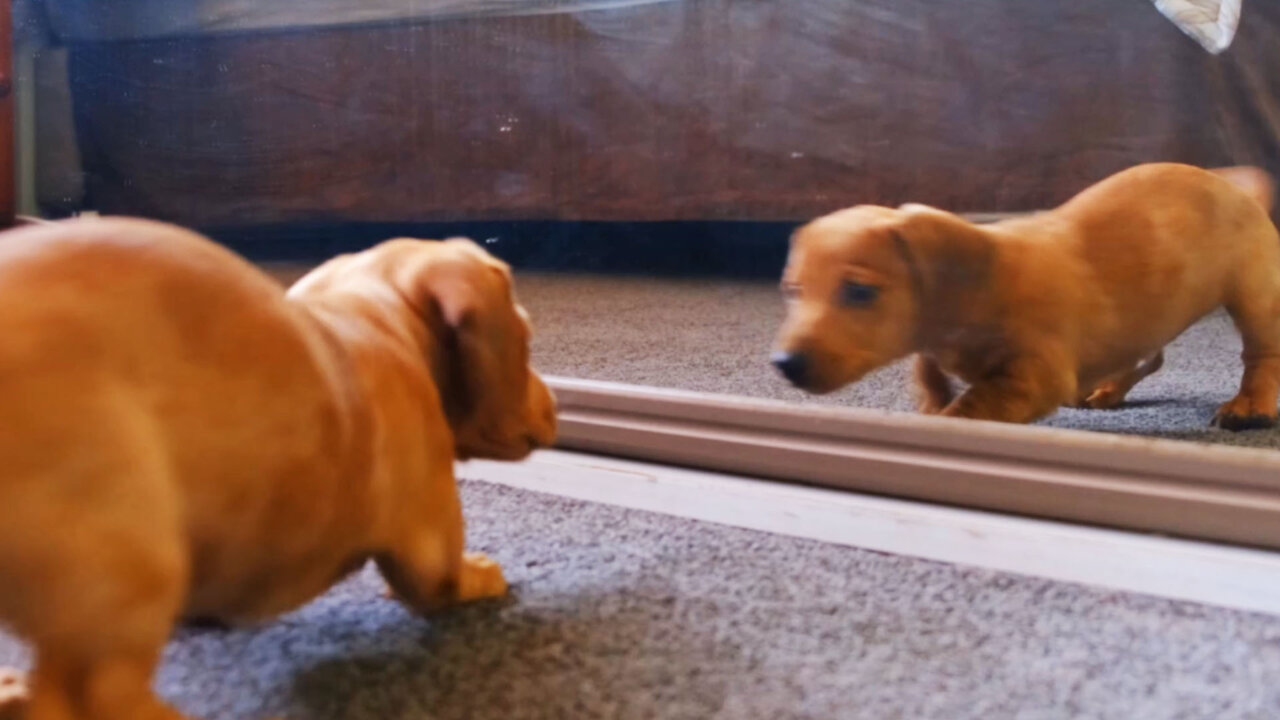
1177 488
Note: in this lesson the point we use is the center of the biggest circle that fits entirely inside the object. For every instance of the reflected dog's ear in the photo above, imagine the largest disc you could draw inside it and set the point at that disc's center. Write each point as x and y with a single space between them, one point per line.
944 253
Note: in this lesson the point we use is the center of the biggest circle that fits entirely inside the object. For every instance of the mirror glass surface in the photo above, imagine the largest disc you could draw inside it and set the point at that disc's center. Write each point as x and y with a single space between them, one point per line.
642 165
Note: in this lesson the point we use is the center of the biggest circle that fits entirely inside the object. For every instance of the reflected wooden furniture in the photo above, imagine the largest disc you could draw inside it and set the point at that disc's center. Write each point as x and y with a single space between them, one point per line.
8 179
662 111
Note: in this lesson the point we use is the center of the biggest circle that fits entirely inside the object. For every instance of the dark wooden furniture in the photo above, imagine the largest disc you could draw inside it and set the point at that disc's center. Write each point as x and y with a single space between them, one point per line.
8 174
709 110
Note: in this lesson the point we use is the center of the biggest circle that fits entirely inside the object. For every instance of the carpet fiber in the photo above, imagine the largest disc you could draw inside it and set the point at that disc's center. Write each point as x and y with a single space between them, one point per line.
715 336
622 614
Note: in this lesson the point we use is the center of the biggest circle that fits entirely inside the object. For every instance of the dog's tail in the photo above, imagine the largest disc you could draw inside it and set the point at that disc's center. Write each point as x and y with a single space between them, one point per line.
1255 182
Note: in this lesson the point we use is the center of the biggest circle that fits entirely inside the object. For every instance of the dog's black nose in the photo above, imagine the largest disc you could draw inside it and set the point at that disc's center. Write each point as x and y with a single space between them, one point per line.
793 366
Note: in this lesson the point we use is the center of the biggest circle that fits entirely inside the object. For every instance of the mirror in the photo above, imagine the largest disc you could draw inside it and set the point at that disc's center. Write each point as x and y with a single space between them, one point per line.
641 165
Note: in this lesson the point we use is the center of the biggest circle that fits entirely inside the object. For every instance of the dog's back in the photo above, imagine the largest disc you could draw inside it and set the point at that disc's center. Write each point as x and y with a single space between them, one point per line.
145 371
1165 225
1164 245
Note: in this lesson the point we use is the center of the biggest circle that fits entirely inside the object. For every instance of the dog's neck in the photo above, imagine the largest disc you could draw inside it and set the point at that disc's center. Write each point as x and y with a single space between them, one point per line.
966 320
427 338
373 328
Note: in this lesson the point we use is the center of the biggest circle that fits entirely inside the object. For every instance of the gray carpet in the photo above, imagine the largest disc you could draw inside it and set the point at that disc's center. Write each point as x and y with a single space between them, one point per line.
623 614
715 336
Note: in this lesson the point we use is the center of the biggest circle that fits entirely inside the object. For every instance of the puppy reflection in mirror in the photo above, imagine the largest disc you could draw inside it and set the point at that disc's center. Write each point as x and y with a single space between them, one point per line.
1071 306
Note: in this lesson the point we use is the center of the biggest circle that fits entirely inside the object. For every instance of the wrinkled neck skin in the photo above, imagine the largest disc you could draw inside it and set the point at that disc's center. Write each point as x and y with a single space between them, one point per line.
964 318
378 362
368 325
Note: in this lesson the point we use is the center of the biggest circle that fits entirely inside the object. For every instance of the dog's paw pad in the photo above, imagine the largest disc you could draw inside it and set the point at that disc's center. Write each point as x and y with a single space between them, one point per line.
1240 413
13 693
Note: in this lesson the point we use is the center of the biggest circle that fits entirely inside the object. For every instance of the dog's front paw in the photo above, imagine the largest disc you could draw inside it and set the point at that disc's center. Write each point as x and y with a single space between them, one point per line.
481 578
1241 414
13 694
1105 397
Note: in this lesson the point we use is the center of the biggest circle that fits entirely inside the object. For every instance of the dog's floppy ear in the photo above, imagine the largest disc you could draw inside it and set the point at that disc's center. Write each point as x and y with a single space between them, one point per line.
945 254
449 282
457 300
459 290
465 364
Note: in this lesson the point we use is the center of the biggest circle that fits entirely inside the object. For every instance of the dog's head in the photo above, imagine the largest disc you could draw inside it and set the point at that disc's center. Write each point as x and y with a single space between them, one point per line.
861 284
477 334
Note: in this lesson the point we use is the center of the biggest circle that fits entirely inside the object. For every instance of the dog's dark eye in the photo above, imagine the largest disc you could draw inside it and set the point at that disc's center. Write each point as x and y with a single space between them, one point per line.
856 294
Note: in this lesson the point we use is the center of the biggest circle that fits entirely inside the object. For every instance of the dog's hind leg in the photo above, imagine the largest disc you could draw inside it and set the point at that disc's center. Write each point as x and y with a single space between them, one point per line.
75 687
107 615
106 624
1258 319
92 560
1110 394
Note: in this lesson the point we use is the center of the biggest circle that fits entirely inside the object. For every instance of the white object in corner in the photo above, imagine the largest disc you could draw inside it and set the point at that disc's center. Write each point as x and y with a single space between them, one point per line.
1212 23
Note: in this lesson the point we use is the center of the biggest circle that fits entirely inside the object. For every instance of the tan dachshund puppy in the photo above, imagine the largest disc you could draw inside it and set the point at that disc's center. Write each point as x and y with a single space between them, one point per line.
180 438
1068 306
